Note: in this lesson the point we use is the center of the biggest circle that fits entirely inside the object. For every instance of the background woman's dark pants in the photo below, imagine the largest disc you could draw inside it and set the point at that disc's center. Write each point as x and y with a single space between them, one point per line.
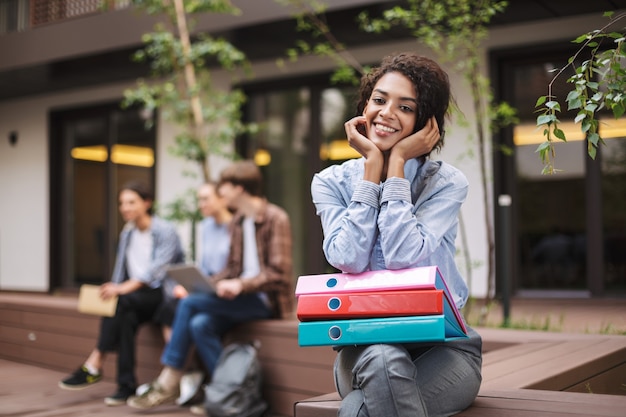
118 333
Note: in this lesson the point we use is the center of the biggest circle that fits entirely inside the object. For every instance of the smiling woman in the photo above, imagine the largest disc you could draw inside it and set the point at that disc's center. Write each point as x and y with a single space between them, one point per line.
394 208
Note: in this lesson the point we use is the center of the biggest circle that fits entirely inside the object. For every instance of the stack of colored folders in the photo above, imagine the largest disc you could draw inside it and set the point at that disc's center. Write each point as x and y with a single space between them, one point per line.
402 306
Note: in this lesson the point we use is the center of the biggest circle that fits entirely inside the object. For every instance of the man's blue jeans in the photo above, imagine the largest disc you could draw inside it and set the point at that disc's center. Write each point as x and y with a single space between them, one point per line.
409 380
202 319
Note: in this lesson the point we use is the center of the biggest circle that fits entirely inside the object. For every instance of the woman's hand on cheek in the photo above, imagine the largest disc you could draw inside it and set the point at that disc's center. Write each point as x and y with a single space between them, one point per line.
358 141
418 143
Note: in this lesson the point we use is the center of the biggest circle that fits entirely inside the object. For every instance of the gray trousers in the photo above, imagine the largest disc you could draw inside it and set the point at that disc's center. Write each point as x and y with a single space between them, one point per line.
415 380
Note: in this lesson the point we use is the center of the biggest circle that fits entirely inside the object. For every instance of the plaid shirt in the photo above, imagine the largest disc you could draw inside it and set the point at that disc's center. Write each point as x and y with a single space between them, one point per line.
273 240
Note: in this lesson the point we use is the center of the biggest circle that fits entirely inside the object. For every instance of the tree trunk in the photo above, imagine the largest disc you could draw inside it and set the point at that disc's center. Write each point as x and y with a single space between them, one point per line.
190 79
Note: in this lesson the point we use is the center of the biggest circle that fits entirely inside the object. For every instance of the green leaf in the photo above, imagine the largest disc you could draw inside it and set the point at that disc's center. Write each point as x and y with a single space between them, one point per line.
543 146
572 95
574 104
553 105
541 100
593 85
597 96
580 116
559 134
545 119
592 150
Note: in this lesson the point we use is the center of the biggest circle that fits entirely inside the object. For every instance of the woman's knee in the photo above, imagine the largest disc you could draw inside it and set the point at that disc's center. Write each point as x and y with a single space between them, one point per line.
383 359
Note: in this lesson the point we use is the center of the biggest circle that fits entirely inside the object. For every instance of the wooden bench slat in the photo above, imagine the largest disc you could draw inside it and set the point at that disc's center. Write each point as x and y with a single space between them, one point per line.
509 403
493 357
304 379
604 382
551 403
551 367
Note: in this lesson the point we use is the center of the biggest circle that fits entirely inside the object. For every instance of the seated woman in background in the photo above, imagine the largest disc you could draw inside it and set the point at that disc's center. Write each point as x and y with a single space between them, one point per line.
146 246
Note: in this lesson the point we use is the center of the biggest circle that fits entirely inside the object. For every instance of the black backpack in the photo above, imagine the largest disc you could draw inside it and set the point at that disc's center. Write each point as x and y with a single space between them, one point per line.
235 389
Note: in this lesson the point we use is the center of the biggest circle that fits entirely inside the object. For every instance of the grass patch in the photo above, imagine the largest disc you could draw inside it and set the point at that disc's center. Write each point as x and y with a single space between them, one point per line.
480 313
544 324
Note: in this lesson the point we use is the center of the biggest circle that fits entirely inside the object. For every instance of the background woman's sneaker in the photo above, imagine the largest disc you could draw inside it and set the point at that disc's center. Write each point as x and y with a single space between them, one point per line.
80 379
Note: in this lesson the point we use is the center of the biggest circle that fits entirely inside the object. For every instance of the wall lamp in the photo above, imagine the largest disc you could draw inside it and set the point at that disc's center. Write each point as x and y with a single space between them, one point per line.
13 138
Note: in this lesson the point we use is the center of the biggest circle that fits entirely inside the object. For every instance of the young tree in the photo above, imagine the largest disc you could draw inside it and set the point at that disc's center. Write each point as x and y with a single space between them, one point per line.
598 83
181 87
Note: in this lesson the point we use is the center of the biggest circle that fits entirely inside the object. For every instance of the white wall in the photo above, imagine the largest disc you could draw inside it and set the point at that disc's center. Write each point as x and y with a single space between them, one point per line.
24 184
23 198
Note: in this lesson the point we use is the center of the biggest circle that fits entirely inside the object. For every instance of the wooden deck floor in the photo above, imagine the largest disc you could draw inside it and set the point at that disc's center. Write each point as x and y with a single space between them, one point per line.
29 391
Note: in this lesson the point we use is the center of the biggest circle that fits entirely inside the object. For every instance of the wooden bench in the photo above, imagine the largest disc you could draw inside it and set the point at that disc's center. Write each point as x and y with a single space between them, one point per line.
529 374
524 372
503 403
47 331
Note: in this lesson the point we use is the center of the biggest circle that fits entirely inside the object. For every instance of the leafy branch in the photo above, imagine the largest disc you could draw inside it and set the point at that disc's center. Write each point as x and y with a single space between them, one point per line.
181 85
598 83
310 18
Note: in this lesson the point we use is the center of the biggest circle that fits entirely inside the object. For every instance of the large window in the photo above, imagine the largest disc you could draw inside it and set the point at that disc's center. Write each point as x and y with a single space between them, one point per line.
568 228
94 151
302 133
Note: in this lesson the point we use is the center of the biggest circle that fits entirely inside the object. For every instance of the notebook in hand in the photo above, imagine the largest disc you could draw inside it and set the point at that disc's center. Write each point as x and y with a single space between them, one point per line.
89 302
190 277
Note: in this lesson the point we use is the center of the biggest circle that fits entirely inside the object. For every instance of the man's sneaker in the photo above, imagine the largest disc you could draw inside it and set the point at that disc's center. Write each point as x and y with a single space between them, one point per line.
120 397
154 396
80 379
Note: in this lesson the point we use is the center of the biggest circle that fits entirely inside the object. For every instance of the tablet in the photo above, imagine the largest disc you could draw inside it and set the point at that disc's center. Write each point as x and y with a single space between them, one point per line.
190 277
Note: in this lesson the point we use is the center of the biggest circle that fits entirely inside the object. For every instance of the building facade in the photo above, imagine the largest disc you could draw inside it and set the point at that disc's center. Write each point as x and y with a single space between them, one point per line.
66 145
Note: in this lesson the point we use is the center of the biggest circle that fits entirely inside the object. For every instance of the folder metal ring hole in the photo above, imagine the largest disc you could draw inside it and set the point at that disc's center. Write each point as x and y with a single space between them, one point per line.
334 303
331 282
334 333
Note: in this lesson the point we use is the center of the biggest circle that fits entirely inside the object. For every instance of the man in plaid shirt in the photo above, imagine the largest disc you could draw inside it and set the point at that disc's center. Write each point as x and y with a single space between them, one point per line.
255 284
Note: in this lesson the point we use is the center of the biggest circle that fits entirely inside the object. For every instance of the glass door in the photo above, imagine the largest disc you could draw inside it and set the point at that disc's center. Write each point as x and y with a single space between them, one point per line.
94 151
568 230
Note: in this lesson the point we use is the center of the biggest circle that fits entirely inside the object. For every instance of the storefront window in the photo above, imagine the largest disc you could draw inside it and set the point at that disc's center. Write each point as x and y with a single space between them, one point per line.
569 228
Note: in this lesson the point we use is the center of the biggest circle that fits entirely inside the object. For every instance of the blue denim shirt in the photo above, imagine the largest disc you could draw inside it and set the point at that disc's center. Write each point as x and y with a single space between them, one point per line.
401 223
166 249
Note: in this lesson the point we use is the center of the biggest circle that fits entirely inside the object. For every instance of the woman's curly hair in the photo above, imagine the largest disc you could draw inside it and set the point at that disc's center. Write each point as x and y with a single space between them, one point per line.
432 87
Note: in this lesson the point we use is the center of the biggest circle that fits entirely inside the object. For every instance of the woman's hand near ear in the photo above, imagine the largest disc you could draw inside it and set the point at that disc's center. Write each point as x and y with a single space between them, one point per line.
413 146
